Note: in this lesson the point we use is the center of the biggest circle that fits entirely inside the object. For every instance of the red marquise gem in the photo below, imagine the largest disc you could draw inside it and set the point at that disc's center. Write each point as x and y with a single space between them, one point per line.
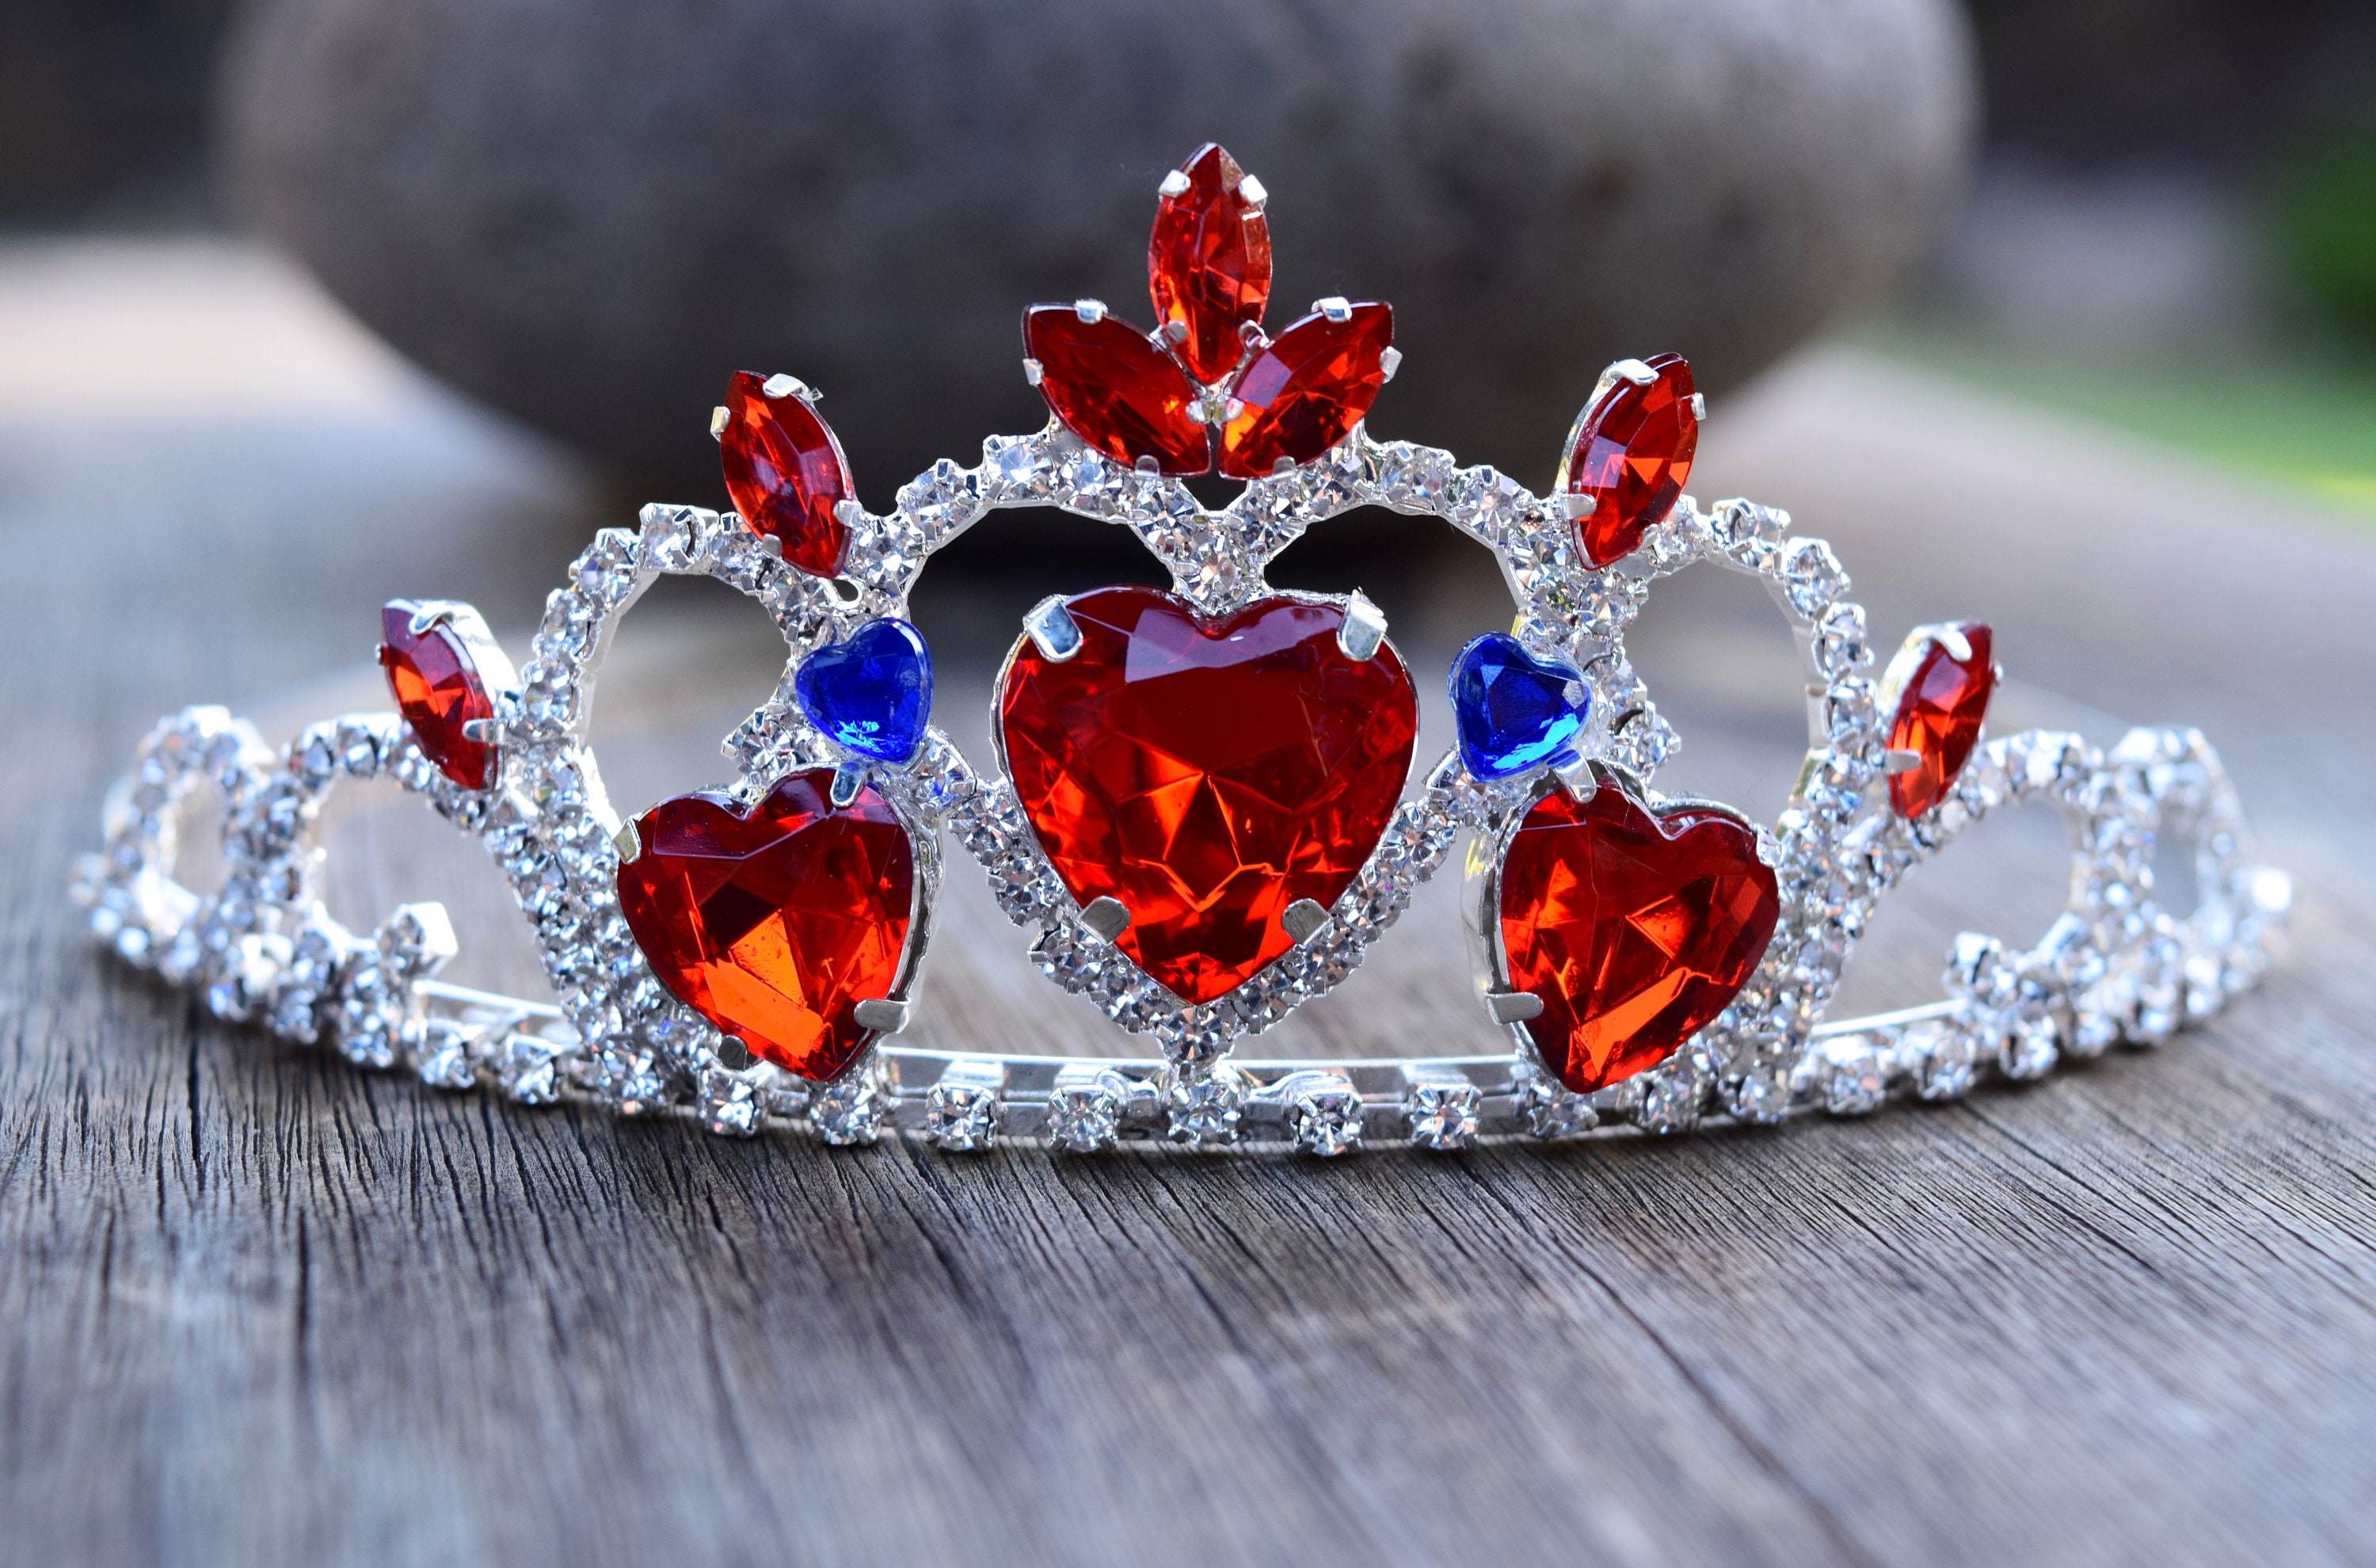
438 690
1117 391
1633 928
1207 774
1944 694
786 472
776 923
1631 451
1208 264
1307 390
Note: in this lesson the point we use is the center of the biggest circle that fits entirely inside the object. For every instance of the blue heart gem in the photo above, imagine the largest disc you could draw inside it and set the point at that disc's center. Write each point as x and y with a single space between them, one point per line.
871 692
1514 711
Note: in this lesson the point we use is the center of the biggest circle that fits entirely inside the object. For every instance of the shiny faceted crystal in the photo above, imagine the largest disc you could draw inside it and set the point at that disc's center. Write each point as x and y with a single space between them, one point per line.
786 473
871 692
1941 702
1630 452
1208 773
1633 928
776 923
1208 264
1513 712
438 690
1112 388
1306 391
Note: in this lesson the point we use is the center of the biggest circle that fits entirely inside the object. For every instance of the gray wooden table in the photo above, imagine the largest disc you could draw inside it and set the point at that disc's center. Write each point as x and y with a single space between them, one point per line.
258 1307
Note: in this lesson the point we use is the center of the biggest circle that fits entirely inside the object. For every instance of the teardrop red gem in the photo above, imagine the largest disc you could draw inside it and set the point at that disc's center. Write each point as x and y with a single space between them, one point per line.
776 922
1631 451
786 473
438 690
1306 391
1635 930
1208 264
1942 702
1116 390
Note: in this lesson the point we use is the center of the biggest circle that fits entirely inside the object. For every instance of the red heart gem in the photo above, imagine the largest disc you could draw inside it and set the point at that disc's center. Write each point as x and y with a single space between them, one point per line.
1117 391
1207 774
1633 928
786 473
1940 702
1306 391
1208 263
774 925
1631 451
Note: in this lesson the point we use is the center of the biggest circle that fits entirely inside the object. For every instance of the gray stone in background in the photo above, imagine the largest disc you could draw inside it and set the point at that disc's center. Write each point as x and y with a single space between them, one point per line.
589 212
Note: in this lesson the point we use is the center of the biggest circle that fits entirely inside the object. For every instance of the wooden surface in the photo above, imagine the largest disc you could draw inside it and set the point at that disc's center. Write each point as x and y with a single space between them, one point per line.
258 1307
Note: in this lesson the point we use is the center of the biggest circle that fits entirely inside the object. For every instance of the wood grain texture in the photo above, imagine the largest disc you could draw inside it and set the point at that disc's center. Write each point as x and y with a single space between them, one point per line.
258 1307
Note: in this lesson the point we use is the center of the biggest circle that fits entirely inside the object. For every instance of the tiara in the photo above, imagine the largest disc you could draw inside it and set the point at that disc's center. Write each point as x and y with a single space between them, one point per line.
1203 805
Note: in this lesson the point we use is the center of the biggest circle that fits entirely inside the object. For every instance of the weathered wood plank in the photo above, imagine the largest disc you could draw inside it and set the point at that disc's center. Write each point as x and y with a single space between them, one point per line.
261 1307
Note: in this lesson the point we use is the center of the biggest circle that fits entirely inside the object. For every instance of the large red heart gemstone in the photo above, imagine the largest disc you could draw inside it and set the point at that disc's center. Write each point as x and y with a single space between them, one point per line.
1208 773
776 923
1635 930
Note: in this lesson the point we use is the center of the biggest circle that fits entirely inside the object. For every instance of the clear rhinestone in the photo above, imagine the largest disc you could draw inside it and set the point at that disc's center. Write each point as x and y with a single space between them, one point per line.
1671 1099
528 1069
1943 1057
1548 1109
1440 1110
1841 647
1203 1109
1085 1109
442 1056
963 1109
854 1109
728 1102
1324 1111
2030 1048
1812 576
1759 1098
1855 1077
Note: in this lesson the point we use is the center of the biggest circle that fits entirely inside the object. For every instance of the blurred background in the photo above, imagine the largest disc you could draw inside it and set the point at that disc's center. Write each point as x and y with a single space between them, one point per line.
2155 213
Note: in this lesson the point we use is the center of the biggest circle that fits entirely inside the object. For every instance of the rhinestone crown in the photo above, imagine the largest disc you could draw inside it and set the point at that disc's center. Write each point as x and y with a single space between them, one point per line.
1203 806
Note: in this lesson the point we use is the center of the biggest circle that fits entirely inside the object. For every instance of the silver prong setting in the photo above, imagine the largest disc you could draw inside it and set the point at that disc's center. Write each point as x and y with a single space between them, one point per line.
1107 917
883 1015
1053 630
1505 1007
1364 630
1304 919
